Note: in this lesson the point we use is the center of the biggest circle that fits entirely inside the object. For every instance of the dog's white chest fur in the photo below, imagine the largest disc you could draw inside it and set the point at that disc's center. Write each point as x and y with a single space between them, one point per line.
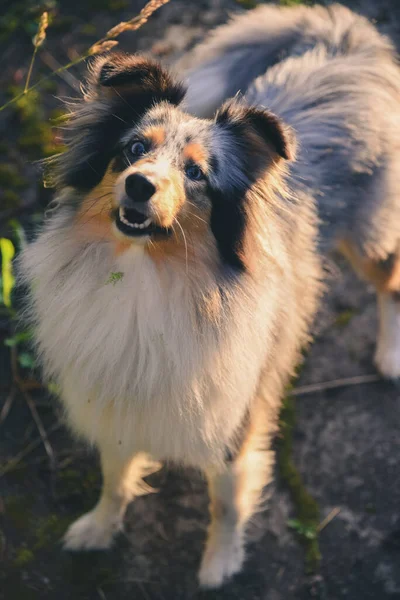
140 365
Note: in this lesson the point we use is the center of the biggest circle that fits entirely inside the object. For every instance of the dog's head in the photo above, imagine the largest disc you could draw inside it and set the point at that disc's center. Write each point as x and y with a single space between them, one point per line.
147 172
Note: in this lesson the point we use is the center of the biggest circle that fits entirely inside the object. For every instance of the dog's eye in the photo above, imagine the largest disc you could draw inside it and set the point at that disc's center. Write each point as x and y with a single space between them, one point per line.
138 149
194 172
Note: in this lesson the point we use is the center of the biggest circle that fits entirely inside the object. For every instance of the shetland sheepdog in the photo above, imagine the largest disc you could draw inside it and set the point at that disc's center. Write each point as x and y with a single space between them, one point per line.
175 280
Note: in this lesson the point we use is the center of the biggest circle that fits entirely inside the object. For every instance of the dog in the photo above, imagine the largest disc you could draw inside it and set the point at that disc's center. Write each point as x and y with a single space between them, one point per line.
174 283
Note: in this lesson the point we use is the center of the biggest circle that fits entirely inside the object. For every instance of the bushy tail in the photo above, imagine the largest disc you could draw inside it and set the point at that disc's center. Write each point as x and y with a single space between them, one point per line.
236 53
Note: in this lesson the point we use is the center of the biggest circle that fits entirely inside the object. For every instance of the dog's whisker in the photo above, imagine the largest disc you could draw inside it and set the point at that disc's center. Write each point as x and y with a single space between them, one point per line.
186 247
196 217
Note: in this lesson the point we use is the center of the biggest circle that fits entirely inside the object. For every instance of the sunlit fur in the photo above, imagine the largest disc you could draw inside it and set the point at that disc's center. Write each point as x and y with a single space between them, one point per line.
335 80
177 346
168 359
329 74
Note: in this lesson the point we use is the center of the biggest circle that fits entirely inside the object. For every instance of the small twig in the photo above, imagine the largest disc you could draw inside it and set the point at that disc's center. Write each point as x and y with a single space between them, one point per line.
7 405
31 405
11 464
70 459
101 594
334 513
42 431
335 383
14 364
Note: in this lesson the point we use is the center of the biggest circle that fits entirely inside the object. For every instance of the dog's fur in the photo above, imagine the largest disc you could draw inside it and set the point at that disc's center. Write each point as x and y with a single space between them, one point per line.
177 345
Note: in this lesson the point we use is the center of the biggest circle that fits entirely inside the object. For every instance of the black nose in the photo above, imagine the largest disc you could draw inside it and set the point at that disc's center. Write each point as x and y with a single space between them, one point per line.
138 188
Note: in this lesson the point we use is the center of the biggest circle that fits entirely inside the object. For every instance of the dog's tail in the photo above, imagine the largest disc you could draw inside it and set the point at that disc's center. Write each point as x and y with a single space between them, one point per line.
236 53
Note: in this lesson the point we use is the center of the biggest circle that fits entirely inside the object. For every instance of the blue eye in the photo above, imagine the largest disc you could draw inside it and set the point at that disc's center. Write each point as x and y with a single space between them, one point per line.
194 173
138 149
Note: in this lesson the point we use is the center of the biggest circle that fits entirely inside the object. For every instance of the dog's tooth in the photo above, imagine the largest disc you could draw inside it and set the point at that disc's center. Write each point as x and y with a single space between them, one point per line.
125 221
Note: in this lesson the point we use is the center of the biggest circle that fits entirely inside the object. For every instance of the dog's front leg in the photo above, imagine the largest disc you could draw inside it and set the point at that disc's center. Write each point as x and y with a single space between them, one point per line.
235 494
122 482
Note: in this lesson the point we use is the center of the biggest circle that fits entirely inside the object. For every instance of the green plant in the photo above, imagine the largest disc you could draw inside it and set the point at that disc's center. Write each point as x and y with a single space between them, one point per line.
115 277
307 511
7 250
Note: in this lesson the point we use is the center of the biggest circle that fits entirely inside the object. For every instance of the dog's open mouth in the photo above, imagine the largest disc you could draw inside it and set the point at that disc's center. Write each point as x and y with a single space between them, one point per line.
134 223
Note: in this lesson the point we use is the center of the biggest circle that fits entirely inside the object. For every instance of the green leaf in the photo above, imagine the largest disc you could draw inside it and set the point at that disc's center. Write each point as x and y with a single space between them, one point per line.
7 253
19 234
114 277
295 524
17 338
307 531
54 388
26 360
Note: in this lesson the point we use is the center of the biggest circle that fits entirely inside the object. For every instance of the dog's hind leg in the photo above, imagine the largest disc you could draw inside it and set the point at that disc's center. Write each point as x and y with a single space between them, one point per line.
122 482
235 494
387 356
385 276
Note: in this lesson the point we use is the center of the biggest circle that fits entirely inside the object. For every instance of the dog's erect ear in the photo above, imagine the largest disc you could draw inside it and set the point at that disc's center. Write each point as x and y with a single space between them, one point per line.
120 89
123 75
247 120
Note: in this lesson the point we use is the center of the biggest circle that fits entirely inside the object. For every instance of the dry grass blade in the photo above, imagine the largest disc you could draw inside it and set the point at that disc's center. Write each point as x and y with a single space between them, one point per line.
41 34
42 431
37 41
13 462
335 383
136 22
334 513
23 388
7 405
101 45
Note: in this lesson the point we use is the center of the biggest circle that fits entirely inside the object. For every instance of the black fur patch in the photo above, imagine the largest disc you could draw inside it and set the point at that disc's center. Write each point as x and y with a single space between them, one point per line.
131 71
120 163
267 125
133 85
214 164
227 223
228 215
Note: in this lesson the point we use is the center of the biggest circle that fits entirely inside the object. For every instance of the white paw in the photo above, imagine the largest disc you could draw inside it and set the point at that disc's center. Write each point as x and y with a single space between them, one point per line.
221 560
90 532
387 361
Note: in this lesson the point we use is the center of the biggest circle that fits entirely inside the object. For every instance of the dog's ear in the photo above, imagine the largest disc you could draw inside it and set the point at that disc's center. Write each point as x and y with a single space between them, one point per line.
118 75
119 90
246 121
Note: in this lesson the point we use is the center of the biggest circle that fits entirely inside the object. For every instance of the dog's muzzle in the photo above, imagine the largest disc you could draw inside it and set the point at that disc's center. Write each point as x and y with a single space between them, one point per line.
133 216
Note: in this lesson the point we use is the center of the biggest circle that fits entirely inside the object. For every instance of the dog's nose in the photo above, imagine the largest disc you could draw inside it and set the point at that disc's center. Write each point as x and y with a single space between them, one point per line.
139 188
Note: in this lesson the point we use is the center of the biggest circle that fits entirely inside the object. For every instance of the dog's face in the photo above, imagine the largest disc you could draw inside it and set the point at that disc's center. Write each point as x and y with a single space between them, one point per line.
148 173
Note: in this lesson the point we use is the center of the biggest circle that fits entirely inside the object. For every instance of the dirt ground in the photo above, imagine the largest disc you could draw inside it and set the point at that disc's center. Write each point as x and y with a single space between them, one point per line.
346 443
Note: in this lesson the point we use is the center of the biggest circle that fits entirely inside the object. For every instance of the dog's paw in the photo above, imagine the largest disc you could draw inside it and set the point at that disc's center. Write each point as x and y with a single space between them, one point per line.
221 560
387 360
89 532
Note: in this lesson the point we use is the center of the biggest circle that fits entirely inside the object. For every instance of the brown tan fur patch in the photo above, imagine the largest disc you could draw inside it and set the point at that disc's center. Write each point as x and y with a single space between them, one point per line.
191 243
156 135
93 221
196 153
